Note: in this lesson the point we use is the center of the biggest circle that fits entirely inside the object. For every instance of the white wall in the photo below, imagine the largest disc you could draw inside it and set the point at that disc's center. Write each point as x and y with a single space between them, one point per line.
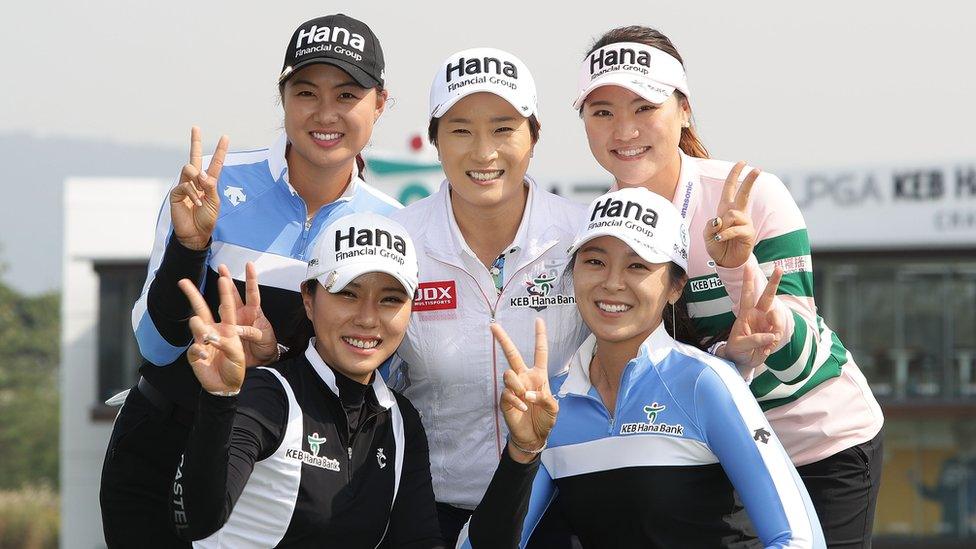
105 219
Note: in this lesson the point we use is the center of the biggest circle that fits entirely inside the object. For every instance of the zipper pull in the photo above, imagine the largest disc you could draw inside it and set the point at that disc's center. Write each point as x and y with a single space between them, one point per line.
308 224
350 452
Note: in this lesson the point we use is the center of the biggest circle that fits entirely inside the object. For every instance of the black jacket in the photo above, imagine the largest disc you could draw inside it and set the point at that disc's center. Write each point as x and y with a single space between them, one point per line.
328 481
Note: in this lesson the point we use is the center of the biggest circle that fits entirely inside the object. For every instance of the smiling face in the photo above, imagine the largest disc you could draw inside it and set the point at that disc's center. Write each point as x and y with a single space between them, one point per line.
621 296
634 139
361 326
484 146
328 116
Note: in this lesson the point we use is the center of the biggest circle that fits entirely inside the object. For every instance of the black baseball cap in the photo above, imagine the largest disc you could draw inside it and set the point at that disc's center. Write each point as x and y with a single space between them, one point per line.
337 40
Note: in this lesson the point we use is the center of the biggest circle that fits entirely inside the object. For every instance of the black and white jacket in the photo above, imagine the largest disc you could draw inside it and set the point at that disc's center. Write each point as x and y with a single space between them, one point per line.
306 457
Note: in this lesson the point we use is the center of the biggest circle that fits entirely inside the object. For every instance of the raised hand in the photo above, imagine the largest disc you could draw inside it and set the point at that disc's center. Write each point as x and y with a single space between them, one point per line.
527 403
759 325
260 344
730 236
194 202
216 355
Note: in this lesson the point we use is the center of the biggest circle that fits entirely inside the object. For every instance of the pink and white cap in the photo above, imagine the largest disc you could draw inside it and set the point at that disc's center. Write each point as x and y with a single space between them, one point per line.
483 70
649 72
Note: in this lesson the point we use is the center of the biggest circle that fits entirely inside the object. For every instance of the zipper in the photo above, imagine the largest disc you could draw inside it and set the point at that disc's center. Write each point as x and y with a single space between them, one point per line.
493 309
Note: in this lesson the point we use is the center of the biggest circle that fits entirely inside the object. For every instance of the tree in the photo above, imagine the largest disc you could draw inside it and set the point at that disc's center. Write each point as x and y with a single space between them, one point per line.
29 358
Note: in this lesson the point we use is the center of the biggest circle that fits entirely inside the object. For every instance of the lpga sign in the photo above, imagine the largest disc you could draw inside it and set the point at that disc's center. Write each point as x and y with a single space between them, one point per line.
888 207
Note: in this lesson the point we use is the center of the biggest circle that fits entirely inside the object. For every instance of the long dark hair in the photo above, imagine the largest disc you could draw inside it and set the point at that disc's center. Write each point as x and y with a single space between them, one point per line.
689 143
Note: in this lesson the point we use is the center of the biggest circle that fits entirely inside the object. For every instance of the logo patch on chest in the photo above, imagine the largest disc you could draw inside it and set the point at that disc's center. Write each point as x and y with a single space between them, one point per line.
312 457
542 294
652 426
435 296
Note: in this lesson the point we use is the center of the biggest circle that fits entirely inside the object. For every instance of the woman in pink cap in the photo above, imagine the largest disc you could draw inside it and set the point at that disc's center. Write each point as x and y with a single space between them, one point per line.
634 101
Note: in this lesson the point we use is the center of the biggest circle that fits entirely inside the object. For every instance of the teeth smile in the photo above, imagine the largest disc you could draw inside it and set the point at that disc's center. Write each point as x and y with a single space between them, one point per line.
485 176
613 308
631 152
326 136
361 343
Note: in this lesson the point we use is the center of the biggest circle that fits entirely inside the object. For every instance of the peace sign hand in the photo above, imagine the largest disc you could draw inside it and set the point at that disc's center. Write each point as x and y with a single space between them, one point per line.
759 326
216 355
527 403
730 236
194 202
260 344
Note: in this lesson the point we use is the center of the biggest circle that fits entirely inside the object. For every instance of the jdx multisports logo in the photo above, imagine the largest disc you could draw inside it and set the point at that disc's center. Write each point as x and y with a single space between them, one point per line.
540 289
364 242
652 410
325 39
312 457
609 59
435 296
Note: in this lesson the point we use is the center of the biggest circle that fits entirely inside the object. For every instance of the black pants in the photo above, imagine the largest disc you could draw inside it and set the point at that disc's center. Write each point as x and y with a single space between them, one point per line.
844 491
137 476
553 531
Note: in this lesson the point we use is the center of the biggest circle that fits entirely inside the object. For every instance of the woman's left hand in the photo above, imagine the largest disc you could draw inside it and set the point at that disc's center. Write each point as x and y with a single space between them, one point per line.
759 326
257 334
730 235
527 403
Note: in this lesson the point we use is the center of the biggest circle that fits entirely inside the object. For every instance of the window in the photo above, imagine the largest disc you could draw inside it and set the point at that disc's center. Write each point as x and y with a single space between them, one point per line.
911 325
119 286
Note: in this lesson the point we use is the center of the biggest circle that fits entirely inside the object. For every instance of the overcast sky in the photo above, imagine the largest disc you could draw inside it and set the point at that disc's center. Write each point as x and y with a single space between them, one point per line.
779 83
784 85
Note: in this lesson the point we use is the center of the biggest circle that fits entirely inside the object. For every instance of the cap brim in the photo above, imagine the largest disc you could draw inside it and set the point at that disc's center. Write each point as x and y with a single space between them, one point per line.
352 271
357 74
649 255
441 110
657 94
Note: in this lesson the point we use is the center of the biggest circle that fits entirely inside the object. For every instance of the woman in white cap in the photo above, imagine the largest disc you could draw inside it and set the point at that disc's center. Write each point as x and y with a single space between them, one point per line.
634 100
492 247
653 442
316 448
263 207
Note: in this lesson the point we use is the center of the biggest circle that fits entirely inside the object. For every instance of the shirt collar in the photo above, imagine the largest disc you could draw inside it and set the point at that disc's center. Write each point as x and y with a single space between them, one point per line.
522 236
278 167
383 395
687 193
652 351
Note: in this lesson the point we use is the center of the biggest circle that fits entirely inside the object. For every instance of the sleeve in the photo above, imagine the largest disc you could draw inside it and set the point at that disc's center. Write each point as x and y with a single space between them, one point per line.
228 436
738 433
413 521
511 508
159 316
782 240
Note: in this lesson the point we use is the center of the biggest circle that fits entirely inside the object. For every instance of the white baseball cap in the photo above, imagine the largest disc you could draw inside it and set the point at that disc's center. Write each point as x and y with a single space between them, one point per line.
645 221
363 243
483 70
647 71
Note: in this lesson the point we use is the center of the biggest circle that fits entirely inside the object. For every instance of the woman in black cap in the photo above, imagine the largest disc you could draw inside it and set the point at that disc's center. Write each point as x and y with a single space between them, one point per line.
257 212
